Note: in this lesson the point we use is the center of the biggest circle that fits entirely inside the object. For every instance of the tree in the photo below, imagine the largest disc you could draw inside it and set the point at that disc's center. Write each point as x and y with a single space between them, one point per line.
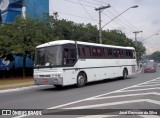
156 56
23 36
140 50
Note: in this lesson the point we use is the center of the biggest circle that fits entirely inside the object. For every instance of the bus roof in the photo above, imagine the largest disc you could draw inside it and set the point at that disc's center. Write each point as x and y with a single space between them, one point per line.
61 42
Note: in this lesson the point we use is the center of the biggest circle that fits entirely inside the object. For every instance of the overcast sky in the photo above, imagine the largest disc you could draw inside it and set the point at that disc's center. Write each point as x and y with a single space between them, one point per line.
145 18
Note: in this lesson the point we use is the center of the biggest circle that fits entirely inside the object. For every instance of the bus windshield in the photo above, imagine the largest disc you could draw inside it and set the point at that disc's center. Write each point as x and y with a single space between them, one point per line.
48 56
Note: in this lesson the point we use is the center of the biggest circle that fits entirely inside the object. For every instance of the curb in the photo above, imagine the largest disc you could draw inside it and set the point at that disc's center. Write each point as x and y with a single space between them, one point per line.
17 89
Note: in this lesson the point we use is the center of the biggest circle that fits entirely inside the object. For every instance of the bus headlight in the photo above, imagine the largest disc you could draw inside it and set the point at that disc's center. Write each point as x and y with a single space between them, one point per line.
36 76
56 75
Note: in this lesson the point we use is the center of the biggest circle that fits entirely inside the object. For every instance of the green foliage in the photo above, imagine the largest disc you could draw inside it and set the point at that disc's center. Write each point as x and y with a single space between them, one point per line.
156 56
24 35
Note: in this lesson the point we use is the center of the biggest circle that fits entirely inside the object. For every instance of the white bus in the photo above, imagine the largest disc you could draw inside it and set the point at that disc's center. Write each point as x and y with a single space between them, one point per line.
65 62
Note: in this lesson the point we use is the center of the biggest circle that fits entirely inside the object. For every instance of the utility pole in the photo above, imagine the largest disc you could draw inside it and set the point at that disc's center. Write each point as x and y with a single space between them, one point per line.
136 32
100 9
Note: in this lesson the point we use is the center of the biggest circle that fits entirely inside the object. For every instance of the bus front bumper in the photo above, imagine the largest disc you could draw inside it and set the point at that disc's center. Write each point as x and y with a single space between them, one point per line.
49 81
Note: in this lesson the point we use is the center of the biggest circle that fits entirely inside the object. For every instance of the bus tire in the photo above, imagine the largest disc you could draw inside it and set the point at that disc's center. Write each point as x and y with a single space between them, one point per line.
125 74
81 79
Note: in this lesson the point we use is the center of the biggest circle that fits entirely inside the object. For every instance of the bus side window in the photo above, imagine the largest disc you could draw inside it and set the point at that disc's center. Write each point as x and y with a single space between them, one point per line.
122 53
69 56
110 54
81 51
87 52
114 53
130 54
99 52
118 53
105 52
94 52
127 54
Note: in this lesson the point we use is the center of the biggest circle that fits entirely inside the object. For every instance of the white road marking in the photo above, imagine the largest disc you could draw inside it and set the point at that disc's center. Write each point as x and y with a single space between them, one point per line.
149 85
152 82
156 80
154 101
78 101
140 89
108 116
149 116
115 103
98 116
128 95
63 105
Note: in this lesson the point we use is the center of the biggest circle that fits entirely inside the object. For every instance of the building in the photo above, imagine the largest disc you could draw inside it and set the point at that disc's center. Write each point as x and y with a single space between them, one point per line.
10 9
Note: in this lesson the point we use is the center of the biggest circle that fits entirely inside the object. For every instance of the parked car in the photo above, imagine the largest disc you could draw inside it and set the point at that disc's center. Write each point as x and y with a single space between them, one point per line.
149 68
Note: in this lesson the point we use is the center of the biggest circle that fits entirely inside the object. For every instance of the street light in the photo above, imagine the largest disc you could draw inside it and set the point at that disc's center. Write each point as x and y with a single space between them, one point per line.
120 14
100 38
149 37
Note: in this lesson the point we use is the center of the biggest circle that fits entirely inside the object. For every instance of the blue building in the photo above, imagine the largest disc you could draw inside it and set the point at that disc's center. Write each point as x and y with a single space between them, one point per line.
10 9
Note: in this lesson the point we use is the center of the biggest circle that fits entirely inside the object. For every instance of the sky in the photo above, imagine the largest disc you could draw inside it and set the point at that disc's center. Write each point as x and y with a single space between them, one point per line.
145 18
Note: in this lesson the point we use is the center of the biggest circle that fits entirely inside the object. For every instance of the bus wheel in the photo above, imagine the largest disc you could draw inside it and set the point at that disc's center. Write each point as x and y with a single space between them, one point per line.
125 73
81 80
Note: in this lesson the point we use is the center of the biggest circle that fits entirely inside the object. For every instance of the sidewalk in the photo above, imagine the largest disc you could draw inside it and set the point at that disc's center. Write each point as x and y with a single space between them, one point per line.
11 83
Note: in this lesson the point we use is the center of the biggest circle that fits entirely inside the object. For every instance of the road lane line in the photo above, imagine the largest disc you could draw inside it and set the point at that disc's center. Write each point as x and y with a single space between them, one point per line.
152 82
140 89
114 103
78 101
145 85
98 116
153 101
128 95
59 106
149 116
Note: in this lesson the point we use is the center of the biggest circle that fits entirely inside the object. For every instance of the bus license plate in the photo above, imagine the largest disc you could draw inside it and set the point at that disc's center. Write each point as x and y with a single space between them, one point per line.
44 80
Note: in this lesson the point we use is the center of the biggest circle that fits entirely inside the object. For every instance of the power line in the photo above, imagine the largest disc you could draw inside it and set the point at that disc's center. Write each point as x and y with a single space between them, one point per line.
125 19
86 10
118 13
122 22
75 15
79 3
106 15
117 22
90 2
100 1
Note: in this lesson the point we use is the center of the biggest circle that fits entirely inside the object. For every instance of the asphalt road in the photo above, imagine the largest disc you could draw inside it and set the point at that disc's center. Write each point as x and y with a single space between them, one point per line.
140 91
